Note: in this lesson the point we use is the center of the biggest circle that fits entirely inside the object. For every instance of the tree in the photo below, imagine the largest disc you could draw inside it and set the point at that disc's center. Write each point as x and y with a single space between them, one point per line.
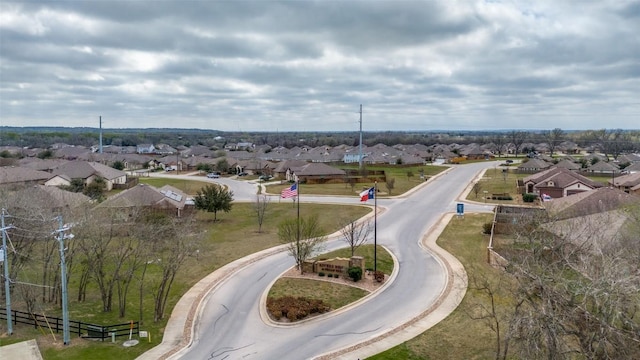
213 198
118 165
390 184
260 207
171 250
355 233
553 138
499 141
222 165
409 174
302 236
576 288
95 189
477 188
517 138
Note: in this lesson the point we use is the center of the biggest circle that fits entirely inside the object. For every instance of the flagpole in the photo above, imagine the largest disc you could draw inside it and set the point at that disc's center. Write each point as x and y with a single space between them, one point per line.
375 227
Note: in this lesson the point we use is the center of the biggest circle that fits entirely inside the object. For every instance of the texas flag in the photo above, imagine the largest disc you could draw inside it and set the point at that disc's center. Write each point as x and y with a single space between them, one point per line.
367 194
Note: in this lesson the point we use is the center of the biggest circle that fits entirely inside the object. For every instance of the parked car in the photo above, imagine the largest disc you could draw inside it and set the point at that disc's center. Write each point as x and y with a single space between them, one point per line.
265 177
213 175
242 174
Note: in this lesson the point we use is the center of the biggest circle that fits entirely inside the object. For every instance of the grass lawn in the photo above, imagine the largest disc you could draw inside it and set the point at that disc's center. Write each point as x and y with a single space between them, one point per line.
403 182
189 187
233 236
335 295
495 181
458 336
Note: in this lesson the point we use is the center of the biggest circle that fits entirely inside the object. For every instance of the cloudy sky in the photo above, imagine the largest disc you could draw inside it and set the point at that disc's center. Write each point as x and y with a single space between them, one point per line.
308 65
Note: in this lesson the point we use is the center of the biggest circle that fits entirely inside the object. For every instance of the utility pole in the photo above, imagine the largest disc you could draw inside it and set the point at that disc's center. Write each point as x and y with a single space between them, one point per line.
360 153
7 287
100 134
63 273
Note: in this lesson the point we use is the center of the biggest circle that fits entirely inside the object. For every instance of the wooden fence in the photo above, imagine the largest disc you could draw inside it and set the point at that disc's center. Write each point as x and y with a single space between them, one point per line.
85 330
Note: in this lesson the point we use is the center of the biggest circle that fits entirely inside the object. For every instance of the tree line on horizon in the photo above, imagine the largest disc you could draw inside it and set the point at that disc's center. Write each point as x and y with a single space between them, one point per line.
34 137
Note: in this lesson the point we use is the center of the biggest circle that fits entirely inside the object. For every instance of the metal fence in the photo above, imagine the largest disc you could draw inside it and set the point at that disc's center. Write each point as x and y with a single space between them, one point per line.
82 329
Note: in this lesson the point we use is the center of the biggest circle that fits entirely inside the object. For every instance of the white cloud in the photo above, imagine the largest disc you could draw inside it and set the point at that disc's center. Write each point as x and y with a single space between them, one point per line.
308 65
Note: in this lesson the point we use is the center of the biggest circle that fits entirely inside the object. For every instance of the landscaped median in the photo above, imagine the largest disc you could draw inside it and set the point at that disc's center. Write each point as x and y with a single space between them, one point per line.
295 296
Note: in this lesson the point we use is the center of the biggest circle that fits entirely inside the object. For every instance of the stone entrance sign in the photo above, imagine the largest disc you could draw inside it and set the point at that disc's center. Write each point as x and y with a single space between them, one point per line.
338 266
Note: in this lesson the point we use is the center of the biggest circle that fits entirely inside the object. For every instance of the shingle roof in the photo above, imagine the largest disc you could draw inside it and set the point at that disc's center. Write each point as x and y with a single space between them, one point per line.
318 169
561 178
14 174
143 195
590 202
49 197
84 169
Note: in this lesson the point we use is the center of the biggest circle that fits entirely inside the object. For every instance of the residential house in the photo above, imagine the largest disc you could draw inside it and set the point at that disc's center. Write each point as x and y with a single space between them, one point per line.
51 198
315 173
13 177
629 183
533 165
280 171
88 172
558 182
589 202
145 149
603 168
569 165
167 199
633 168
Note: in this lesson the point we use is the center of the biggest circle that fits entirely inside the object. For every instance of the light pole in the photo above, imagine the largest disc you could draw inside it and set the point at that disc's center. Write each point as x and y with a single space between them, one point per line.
63 280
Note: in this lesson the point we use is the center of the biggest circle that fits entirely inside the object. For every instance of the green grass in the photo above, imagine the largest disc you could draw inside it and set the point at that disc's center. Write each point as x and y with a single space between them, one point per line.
495 181
402 184
458 336
335 295
385 261
189 187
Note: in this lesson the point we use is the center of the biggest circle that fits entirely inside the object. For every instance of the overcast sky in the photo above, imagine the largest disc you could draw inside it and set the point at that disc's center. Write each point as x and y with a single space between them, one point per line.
307 65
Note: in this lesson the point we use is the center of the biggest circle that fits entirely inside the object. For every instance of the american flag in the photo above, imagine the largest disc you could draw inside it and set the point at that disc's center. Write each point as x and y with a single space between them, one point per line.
290 191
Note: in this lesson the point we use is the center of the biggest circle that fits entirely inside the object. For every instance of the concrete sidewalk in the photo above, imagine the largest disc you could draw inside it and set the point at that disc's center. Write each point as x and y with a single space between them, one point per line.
26 350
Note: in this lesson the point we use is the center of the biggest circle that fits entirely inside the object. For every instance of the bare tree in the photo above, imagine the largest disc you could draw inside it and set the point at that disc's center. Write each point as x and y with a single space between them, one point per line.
355 233
499 141
517 138
171 250
390 184
553 138
303 237
477 188
576 289
260 206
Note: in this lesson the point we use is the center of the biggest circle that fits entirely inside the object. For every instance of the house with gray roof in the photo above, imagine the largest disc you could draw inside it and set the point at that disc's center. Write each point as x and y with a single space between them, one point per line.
628 183
89 172
603 167
569 165
15 177
316 173
142 196
533 165
51 198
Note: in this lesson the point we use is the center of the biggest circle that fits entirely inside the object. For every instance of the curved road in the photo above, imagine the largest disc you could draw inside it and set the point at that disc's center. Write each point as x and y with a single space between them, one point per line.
229 324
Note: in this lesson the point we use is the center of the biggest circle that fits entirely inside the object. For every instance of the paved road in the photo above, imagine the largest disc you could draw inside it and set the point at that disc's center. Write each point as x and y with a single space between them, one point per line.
229 325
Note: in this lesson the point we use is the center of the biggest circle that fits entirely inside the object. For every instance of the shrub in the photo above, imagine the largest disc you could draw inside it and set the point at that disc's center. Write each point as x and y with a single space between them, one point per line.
379 276
295 308
528 197
355 273
320 273
486 228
